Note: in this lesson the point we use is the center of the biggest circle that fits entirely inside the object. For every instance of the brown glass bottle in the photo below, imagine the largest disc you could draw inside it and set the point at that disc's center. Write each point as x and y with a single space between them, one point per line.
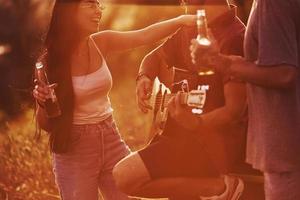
202 36
51 104
203 39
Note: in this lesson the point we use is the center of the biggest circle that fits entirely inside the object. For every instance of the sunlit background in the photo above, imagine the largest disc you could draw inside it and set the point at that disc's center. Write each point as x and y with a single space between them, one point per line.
25 164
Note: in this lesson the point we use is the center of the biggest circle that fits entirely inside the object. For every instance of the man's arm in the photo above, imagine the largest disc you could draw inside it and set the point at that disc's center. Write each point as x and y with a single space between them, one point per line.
144 83
150 65
281 76
155 64
230 113
278 76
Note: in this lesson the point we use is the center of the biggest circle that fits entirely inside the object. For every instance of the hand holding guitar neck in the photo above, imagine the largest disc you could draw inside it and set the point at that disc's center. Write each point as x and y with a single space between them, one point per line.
194 98
182 113
185 102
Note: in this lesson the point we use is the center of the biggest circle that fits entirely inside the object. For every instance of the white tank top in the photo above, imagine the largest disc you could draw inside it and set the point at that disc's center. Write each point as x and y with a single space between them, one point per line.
91 101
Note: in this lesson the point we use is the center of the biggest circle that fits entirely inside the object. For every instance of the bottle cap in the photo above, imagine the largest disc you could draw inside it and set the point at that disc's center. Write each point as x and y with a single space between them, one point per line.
39 65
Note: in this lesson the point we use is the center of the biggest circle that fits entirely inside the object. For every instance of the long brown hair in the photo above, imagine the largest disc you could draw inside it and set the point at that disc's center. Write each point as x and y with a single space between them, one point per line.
62 38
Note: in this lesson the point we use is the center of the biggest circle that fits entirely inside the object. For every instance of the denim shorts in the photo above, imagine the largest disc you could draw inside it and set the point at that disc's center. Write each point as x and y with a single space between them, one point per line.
87 166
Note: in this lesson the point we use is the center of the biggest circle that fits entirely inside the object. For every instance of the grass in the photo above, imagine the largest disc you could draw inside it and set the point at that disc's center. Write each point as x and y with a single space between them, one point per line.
25 164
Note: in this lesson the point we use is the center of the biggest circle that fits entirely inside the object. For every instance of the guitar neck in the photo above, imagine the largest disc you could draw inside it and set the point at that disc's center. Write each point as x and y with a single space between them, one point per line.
164 99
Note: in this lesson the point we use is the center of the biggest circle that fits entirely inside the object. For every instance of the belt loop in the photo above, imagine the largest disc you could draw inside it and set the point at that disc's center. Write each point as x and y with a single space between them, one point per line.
108 121
101 128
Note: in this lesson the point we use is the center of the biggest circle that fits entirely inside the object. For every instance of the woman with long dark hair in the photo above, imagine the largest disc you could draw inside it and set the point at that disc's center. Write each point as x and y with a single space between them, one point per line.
84 139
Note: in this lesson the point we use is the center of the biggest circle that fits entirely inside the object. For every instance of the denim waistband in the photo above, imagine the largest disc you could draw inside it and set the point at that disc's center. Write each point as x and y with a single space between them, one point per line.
102 124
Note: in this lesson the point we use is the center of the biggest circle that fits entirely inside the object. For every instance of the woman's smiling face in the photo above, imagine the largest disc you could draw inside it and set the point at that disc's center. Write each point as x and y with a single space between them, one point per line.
89 15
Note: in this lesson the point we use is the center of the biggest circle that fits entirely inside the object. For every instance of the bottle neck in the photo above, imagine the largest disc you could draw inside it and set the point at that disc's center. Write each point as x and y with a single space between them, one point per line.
202 26
212 12
42 75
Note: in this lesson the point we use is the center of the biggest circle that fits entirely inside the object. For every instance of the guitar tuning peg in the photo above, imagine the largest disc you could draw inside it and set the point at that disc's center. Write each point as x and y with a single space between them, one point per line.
160 86
185 86
203 87
164 101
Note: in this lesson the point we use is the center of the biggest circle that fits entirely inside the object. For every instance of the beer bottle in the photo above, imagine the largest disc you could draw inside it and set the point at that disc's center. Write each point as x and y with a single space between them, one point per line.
202 36
51 104
203 39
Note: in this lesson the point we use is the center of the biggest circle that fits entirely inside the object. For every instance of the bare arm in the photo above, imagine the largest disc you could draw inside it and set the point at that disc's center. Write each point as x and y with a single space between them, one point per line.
151 64
109 41
230 113
151 67
154 65
279 76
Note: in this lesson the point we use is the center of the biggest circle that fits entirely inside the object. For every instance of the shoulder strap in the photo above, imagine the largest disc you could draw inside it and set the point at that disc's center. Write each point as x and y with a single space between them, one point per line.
94 43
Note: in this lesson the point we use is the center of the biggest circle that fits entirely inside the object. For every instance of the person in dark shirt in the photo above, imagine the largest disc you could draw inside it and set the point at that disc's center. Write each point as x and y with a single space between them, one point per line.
190 167
271 69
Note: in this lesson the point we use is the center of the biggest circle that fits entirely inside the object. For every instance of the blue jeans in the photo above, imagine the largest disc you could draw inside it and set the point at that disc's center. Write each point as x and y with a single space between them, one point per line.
88 164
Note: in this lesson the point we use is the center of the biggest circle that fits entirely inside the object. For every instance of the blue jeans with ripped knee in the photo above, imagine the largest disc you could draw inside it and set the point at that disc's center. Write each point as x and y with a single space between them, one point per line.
87 167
